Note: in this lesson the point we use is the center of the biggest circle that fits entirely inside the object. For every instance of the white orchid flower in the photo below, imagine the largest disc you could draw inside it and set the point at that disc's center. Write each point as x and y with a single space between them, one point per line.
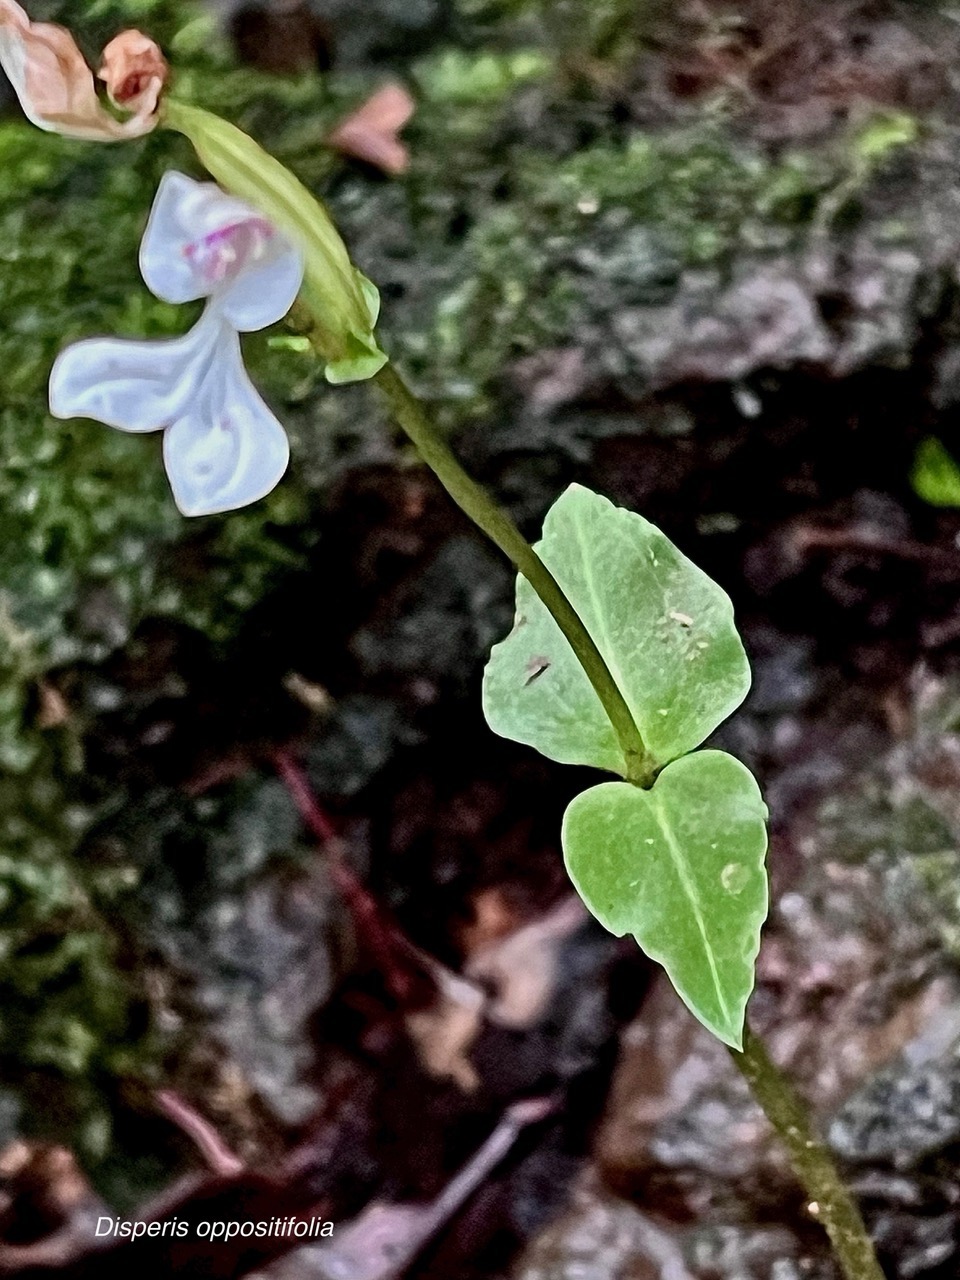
222 446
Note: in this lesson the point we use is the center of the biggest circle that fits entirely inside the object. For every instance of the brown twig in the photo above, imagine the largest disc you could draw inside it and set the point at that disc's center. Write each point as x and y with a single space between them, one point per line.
394 955
385 1239
807 538
295 780
220 1159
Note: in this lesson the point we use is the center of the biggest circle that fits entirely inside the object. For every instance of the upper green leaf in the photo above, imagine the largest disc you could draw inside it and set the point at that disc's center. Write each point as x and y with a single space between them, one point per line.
681 867
664 628
341 300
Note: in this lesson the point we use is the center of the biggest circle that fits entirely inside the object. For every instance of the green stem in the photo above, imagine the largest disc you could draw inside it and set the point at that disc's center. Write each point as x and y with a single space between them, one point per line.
829 1200
814 1166
237 163
828 1197
474 500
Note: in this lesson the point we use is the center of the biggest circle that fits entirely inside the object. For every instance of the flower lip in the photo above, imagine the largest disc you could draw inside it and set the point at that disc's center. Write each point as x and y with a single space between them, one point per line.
134 72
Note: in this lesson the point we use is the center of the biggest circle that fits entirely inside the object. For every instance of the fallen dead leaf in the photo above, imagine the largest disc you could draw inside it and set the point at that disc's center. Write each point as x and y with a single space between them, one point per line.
509 979
384 1239
53 710
493 919
521 968
444 1033
371 132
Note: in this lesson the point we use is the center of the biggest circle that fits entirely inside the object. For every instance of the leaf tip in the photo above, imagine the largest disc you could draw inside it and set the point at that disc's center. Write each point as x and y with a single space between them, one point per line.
733 1040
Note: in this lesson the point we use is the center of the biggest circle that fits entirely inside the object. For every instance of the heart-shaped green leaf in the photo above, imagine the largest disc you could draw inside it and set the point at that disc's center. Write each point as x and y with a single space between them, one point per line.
681 867
665 630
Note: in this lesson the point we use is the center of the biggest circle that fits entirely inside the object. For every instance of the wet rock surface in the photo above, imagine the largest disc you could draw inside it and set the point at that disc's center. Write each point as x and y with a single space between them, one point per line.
859 1001
602 1237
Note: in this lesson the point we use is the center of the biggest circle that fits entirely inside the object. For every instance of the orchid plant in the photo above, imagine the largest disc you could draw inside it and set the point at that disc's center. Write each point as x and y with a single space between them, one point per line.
624 655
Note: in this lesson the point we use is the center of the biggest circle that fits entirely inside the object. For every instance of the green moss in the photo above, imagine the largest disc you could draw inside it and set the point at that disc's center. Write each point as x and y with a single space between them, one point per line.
70 1018
457 79
89 540
559 244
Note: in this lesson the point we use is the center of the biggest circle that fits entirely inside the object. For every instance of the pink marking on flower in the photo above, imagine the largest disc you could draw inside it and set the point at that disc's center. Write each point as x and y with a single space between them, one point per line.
223 254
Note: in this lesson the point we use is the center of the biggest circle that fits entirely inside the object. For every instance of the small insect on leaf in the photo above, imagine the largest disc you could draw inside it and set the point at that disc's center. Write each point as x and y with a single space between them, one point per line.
536 667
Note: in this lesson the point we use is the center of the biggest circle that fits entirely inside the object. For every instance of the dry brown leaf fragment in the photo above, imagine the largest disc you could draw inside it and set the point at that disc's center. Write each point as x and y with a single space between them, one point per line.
509 978
371 132
494 917
53 710
522 968
57 90
384 1239
444 1033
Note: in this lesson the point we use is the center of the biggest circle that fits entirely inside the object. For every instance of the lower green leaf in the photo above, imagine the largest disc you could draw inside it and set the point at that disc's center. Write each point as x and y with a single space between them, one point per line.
681 867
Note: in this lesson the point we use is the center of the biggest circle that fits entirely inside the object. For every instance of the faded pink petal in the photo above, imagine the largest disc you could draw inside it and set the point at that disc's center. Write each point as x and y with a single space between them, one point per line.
370 133
55 86
134 71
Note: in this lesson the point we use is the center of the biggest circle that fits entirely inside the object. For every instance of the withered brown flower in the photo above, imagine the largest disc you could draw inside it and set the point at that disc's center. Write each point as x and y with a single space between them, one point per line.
57 89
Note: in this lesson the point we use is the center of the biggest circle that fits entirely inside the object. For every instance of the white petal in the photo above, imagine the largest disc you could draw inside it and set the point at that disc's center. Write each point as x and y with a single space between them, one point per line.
136 386
227 450
183 212
265 291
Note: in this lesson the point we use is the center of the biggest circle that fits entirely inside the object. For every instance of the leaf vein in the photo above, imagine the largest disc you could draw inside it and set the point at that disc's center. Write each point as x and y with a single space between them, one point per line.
689 887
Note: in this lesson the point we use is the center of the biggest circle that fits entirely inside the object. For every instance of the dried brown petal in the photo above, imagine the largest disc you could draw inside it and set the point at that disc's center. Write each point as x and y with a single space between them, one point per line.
55 86
134 71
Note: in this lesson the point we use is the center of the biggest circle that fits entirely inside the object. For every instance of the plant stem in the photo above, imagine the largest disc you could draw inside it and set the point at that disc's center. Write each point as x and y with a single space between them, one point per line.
474 500
835 1207
829 1200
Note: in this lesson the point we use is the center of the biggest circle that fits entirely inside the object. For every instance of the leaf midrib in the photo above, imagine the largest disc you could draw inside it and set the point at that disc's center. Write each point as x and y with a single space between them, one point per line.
688 884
